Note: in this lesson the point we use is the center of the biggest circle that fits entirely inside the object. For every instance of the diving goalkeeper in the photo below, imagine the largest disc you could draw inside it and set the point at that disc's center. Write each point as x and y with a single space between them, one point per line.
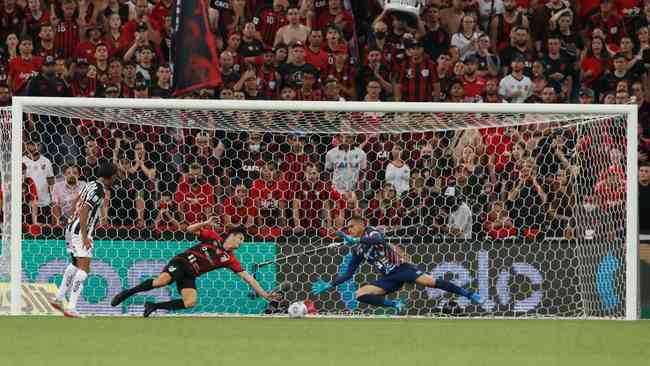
371 245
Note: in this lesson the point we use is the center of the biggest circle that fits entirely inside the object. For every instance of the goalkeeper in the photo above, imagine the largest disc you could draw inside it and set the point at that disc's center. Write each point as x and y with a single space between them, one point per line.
371 245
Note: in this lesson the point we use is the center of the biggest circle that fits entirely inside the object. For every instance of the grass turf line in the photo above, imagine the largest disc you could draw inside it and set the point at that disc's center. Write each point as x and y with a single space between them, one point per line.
57 341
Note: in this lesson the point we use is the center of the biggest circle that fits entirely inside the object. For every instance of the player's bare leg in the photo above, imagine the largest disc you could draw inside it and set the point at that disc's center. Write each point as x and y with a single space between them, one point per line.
188 300
80 276
429 281
375 295
162 280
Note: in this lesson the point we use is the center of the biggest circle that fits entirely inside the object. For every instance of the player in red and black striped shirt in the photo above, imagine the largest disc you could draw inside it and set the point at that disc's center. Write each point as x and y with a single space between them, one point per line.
417 79
212 252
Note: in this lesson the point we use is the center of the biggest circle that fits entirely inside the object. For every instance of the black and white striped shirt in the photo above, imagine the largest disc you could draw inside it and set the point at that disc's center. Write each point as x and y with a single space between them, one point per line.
93 196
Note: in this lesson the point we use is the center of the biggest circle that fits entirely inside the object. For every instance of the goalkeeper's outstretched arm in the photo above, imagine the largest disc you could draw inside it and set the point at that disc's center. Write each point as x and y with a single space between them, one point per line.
321 286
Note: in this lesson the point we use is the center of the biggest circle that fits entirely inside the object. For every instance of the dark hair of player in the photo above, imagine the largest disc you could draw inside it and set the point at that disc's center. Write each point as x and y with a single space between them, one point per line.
107 170
236 230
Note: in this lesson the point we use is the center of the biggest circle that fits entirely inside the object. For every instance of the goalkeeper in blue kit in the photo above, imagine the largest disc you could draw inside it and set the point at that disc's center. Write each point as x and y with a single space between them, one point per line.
369 244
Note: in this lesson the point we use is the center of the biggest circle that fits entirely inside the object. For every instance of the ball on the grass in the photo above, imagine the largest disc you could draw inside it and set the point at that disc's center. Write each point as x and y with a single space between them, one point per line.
297 309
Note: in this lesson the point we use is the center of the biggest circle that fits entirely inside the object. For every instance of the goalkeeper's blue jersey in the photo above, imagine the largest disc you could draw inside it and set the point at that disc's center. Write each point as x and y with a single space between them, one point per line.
374 248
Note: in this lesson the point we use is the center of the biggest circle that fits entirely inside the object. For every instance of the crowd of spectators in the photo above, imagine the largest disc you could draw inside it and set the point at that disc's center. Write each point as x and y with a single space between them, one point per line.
499 182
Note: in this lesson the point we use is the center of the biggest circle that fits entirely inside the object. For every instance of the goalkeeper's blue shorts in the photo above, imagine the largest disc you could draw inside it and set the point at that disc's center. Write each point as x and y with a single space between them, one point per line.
405 273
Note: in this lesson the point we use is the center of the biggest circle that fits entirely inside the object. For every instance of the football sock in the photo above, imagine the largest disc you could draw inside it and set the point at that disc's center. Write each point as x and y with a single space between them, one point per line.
77 287
176 304
66 282
146 285
450 287
377 300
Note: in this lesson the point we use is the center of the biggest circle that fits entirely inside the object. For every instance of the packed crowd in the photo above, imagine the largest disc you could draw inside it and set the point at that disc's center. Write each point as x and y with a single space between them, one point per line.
497 182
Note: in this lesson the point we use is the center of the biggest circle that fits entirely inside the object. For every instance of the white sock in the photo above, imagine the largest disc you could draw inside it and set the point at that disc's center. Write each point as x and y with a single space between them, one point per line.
77 287
68 276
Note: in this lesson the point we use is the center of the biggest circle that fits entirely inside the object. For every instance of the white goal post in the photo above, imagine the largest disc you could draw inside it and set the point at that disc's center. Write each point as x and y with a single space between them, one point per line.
335 118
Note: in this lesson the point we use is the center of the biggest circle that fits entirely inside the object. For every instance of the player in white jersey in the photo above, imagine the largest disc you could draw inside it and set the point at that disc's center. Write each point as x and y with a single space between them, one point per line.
79 239
346 161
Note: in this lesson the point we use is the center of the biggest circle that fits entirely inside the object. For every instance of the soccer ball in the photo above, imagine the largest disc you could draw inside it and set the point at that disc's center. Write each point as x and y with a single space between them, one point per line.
297 309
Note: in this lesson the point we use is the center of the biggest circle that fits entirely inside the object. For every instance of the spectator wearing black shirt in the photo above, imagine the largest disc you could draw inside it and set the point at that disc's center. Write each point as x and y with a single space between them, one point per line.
46 83
558 67
163 88
620 73
644 197
45 46
436 39
291 73
228 74
526 201
250 46
520 49
374 70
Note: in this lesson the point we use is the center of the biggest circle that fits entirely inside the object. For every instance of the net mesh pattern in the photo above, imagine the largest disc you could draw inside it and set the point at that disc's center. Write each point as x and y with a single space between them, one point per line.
526 209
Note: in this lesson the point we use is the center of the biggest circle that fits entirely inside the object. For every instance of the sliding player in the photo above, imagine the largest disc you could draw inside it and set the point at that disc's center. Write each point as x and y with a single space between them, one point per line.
79 239
371 245
213 252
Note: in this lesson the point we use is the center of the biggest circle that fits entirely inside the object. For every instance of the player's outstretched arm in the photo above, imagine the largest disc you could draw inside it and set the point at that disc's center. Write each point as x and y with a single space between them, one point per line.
196 227
252 282
321 286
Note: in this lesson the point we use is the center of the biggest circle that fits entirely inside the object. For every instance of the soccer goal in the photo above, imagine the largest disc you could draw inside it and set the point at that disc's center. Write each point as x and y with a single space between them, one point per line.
533 206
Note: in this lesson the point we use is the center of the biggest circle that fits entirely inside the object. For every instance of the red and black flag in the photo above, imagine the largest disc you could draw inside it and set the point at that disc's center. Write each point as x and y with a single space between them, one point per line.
196 65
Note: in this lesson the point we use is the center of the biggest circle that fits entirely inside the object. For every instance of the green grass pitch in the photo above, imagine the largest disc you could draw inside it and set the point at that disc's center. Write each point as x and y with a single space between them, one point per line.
180 341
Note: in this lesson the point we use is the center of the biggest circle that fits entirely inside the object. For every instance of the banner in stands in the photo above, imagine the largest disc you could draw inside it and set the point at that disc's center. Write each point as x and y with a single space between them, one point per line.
197 66
516 277
125 263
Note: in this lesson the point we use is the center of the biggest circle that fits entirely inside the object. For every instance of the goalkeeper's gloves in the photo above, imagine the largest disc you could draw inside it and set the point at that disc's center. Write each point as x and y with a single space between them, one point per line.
319 287
347 238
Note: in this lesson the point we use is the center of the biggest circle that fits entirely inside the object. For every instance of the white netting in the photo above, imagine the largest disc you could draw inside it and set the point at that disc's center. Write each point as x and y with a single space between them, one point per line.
527 209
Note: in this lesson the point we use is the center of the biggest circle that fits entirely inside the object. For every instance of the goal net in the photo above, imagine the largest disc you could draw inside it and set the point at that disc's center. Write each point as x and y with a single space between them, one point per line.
532 206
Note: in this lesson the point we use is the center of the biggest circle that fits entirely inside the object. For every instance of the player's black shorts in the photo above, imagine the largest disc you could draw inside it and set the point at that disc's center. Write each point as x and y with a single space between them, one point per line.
181 274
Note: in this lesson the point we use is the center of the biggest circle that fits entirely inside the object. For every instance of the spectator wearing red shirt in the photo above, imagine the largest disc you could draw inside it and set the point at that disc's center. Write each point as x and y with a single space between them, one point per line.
610 190
314 53
343 72
296 160
67 29
473 84
310 202
337 15
36 17
86 49
417 80
270 20
386 208
114 38
269 193
195 196
594 63
162 9
22 68
45 46
608 21
82 85
239 209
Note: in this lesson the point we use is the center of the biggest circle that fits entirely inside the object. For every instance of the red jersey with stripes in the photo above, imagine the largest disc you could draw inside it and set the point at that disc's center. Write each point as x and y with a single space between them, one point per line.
417 79
209 255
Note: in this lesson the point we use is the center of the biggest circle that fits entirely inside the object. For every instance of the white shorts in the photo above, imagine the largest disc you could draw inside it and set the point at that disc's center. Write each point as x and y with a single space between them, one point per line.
75 246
